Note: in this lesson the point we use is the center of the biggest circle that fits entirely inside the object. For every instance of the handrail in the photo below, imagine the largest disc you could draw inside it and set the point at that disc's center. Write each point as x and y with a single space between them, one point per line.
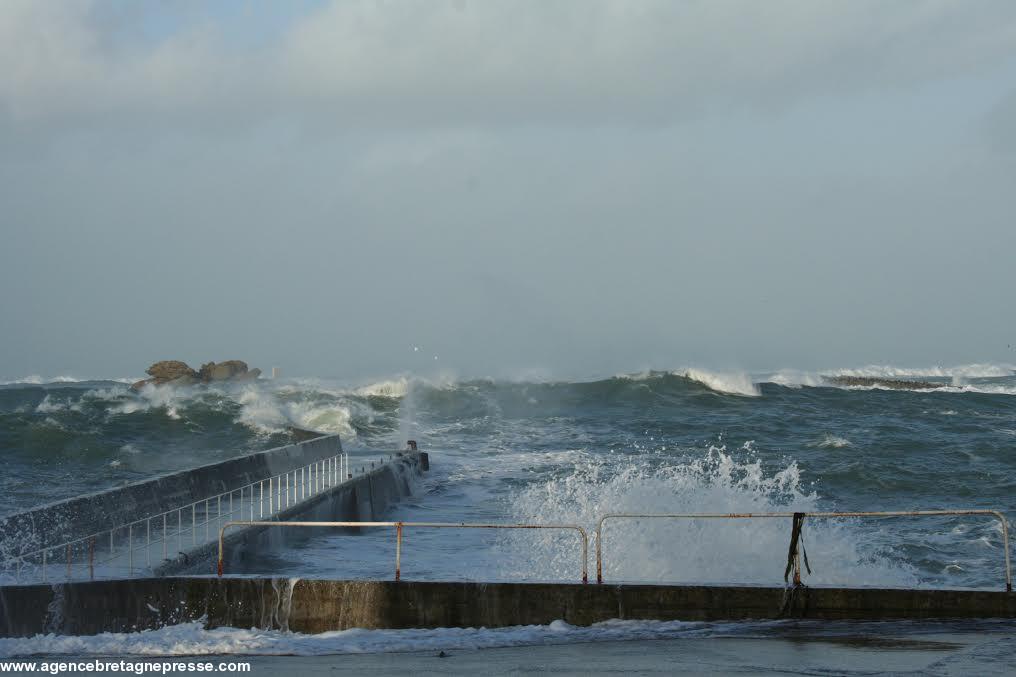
399 526
305 481
748 515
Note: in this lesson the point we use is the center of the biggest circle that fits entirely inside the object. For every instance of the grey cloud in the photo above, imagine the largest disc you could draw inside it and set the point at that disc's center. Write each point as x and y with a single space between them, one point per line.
457 63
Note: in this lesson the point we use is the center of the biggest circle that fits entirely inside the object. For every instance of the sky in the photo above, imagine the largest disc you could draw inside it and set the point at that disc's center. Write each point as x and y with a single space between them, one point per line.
506 188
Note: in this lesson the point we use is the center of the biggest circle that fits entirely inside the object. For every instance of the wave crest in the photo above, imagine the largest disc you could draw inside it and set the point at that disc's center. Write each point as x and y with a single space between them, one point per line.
731 382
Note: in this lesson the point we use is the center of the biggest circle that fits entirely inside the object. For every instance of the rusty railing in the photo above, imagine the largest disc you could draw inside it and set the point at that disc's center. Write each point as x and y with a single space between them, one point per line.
821 515
399 526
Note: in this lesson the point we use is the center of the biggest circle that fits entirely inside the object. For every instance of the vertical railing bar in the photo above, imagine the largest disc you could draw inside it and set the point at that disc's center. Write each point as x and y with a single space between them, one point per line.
165 536
398 551
130 550
148 543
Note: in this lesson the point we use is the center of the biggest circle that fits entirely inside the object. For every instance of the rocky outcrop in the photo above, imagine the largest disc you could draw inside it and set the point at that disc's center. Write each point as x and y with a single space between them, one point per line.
230 370
875 382
175 372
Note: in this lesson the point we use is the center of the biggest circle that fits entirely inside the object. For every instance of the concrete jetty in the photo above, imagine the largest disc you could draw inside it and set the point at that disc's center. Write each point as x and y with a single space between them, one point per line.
313 606
169 524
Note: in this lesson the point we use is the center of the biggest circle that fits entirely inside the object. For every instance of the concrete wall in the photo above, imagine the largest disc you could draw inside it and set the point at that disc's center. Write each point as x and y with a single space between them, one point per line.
314 606
84 515
365 498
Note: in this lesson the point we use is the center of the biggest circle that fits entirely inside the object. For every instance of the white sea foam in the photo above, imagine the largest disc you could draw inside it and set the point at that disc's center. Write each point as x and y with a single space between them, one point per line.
264 410
191 639
731 382
834 442
394 388
48 406
36 379
959 378
794 378
659 550
964 371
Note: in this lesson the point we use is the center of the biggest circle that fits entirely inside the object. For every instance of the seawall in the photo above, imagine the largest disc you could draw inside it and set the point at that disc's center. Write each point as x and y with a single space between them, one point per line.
364 498
92 513
313 606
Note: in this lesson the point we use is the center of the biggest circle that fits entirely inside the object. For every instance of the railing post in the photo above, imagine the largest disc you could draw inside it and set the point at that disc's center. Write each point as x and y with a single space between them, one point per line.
599 549
165 536
1005 545
91 558
68 561
148 543
130 550
398 551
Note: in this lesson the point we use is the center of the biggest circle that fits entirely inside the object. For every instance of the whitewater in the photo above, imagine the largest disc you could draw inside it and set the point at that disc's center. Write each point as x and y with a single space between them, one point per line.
682 440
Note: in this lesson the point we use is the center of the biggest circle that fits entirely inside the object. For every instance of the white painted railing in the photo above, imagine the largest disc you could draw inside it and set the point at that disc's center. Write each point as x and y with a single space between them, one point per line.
141 546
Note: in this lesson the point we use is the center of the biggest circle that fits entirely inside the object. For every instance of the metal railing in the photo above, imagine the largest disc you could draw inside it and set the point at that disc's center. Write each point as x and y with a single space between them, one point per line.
821 515
399 526
163 536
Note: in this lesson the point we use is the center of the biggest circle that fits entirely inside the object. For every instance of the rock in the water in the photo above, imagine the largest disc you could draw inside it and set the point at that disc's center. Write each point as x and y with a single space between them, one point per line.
223 371
175 372
172 371
877 382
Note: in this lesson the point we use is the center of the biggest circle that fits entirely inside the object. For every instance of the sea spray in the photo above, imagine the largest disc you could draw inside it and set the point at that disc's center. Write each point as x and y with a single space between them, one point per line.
687 551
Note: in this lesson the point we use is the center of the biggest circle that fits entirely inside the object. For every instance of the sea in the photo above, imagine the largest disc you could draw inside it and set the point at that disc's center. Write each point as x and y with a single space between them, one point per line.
567 452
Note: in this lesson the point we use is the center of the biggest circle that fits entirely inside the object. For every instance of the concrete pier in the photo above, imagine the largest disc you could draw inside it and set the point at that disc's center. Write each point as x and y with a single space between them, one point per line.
313 606
364 498
83 515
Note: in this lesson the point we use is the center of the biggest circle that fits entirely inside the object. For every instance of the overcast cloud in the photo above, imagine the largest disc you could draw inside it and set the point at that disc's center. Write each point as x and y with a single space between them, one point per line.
563 188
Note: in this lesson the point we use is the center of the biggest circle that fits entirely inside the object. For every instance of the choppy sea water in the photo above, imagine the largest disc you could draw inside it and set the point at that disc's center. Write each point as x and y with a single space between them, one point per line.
568 452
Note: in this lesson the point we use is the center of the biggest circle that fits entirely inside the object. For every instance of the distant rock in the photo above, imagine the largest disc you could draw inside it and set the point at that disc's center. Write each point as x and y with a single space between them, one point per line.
223 371
172 371
875 382
175 372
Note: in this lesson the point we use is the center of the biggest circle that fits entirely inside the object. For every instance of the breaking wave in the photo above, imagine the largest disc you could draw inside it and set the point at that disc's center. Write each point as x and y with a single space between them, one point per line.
717 551
734 383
